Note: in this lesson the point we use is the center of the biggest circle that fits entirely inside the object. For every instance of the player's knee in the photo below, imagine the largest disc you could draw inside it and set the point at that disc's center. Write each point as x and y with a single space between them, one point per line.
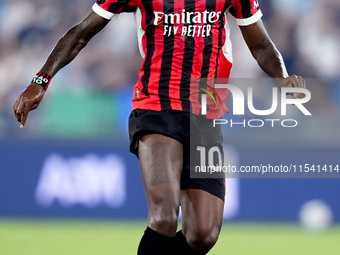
164 220
165 224
203 238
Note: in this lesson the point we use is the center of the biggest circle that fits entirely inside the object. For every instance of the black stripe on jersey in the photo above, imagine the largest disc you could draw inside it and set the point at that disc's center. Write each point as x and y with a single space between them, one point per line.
208 41
188 59
150 44
166 66
232 11
206 57
127 9
246 8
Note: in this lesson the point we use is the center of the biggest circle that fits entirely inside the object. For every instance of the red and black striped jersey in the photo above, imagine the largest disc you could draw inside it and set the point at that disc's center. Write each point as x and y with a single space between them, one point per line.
182 41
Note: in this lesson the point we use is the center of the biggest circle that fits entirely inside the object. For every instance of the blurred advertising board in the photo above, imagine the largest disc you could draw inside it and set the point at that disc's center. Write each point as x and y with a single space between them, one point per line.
101 179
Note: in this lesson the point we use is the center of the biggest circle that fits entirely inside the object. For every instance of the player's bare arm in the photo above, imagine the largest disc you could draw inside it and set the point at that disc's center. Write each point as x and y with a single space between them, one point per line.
63 53
269 58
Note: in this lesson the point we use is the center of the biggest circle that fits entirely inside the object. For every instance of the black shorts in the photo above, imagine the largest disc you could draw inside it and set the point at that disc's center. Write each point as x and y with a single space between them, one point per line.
192 131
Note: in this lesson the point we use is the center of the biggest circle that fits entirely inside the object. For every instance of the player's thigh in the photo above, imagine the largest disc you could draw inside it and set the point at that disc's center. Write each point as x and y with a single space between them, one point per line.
202 215
161 161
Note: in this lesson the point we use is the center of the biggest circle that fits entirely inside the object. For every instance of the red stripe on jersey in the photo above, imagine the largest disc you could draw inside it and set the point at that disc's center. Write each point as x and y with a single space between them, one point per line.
243 9
138 95
238 9
215 48
106 5
215 33
254 6
199 45
196 71
223 70
156 61
224 66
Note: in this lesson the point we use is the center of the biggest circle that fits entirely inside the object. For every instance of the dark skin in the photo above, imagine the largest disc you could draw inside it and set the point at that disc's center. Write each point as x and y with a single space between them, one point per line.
161 160
202 212
63 53
269 58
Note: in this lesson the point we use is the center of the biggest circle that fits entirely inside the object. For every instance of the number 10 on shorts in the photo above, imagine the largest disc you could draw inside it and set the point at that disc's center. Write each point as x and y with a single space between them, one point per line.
210 160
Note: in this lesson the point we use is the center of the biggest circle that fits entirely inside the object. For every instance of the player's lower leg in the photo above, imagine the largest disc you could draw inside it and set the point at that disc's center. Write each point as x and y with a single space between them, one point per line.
180 246
161 164
202 217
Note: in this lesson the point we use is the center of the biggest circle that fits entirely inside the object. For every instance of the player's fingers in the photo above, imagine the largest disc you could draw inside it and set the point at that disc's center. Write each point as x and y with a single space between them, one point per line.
302 82
15 109
24 113
292 81
18 106
299 82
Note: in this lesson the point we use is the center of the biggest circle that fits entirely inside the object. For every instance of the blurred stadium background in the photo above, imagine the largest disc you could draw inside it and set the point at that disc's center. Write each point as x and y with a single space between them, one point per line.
68 184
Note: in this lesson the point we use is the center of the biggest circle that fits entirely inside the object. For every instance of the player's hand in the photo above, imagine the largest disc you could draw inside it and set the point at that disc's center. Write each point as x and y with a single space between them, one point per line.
28 100
292 81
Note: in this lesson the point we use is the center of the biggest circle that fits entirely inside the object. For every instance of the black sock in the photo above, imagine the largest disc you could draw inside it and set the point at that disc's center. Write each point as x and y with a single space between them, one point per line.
153 243
180 246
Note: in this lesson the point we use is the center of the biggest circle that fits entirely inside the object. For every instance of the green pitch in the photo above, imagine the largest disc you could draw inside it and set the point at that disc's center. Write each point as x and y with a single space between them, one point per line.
36 237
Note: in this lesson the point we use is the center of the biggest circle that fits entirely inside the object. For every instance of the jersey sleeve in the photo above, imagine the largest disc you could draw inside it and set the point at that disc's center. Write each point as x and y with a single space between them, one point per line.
246 12
109 9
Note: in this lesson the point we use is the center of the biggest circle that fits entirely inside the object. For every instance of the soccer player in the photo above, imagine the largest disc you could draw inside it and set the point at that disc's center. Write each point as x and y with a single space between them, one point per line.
180 40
